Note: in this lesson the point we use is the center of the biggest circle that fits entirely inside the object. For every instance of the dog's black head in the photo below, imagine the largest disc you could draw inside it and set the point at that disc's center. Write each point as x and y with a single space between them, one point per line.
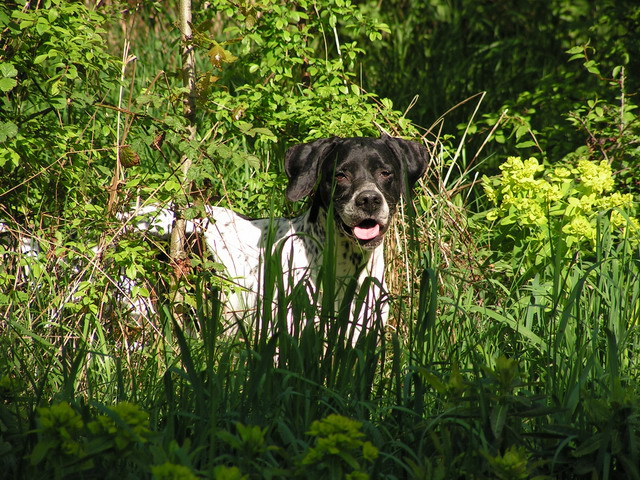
363 177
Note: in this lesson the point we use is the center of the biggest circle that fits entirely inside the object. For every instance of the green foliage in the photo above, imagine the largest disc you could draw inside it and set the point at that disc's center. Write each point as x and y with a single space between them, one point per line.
299 76
55 71
478 375
447 52
563 208
609 120
512 465
171 471
61 428
600 124
466 407
58 149
69 445
281 75
126 424
338 448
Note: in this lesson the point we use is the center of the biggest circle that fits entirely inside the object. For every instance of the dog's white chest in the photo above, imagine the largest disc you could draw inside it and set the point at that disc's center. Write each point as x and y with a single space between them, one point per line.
243 245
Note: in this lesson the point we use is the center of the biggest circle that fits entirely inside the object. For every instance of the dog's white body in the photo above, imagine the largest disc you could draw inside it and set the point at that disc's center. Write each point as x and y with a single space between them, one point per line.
298 245
358 181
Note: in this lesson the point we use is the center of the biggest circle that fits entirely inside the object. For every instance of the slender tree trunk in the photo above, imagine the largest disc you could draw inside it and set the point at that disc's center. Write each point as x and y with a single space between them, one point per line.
179 258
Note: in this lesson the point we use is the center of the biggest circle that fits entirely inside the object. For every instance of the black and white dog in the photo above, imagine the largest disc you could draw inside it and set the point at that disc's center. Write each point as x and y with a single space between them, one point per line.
359 180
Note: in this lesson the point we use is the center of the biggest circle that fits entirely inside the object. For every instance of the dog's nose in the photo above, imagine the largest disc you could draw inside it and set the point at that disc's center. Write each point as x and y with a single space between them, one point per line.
369 200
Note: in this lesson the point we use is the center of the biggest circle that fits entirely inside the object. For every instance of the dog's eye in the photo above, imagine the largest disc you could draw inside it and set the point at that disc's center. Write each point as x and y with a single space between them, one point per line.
341 177
385 174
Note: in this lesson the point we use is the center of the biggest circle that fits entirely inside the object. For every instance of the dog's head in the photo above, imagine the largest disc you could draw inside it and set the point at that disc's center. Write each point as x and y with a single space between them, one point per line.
363 177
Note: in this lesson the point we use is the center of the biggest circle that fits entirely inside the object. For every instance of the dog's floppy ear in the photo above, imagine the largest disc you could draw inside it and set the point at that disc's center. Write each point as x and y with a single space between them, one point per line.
413 156
302 164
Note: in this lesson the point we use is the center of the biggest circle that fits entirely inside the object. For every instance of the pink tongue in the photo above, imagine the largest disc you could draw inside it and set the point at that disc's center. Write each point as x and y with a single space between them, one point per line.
364 233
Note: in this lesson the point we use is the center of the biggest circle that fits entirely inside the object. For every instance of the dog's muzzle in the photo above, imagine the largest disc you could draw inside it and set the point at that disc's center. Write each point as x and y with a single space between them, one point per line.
368 218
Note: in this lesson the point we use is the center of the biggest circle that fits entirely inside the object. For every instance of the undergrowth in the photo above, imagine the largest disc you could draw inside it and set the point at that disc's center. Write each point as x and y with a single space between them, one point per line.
510 351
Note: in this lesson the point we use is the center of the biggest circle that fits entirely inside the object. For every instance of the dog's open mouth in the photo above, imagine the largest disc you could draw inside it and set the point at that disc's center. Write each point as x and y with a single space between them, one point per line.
366 230
368 233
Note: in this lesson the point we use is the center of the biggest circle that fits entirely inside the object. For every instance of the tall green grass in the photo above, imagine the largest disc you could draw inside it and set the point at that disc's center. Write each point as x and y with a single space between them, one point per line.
479 378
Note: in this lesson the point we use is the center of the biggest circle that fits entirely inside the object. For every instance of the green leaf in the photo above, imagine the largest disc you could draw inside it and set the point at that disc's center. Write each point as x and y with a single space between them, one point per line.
42 26
383 27
592 67
498 419
8 130
265 132
172 186
591 445
41 449
40 58
513 324
52 15
8 70
252 161
616 71
574 50
55 88
435 382
20 15
7 84
9 155
131 271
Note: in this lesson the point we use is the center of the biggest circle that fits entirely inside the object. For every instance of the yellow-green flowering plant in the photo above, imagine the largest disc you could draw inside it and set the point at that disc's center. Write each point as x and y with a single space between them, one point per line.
69 443
126 424
531 203
171 471
339 450
514 464
60 428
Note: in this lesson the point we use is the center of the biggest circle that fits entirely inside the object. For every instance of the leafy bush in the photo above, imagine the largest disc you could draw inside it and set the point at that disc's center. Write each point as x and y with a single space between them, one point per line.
593 118
279 74
563 208
58 150
448 52
70 445
338 448
54 140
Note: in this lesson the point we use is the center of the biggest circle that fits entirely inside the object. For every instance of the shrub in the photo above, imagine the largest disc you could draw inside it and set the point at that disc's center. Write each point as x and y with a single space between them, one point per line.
536 209
54 140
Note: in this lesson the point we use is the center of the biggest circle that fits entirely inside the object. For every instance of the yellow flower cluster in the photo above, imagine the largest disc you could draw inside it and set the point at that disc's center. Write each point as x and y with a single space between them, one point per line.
62 424
136 420
339 439
595 177
580 227
528 195
520 197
